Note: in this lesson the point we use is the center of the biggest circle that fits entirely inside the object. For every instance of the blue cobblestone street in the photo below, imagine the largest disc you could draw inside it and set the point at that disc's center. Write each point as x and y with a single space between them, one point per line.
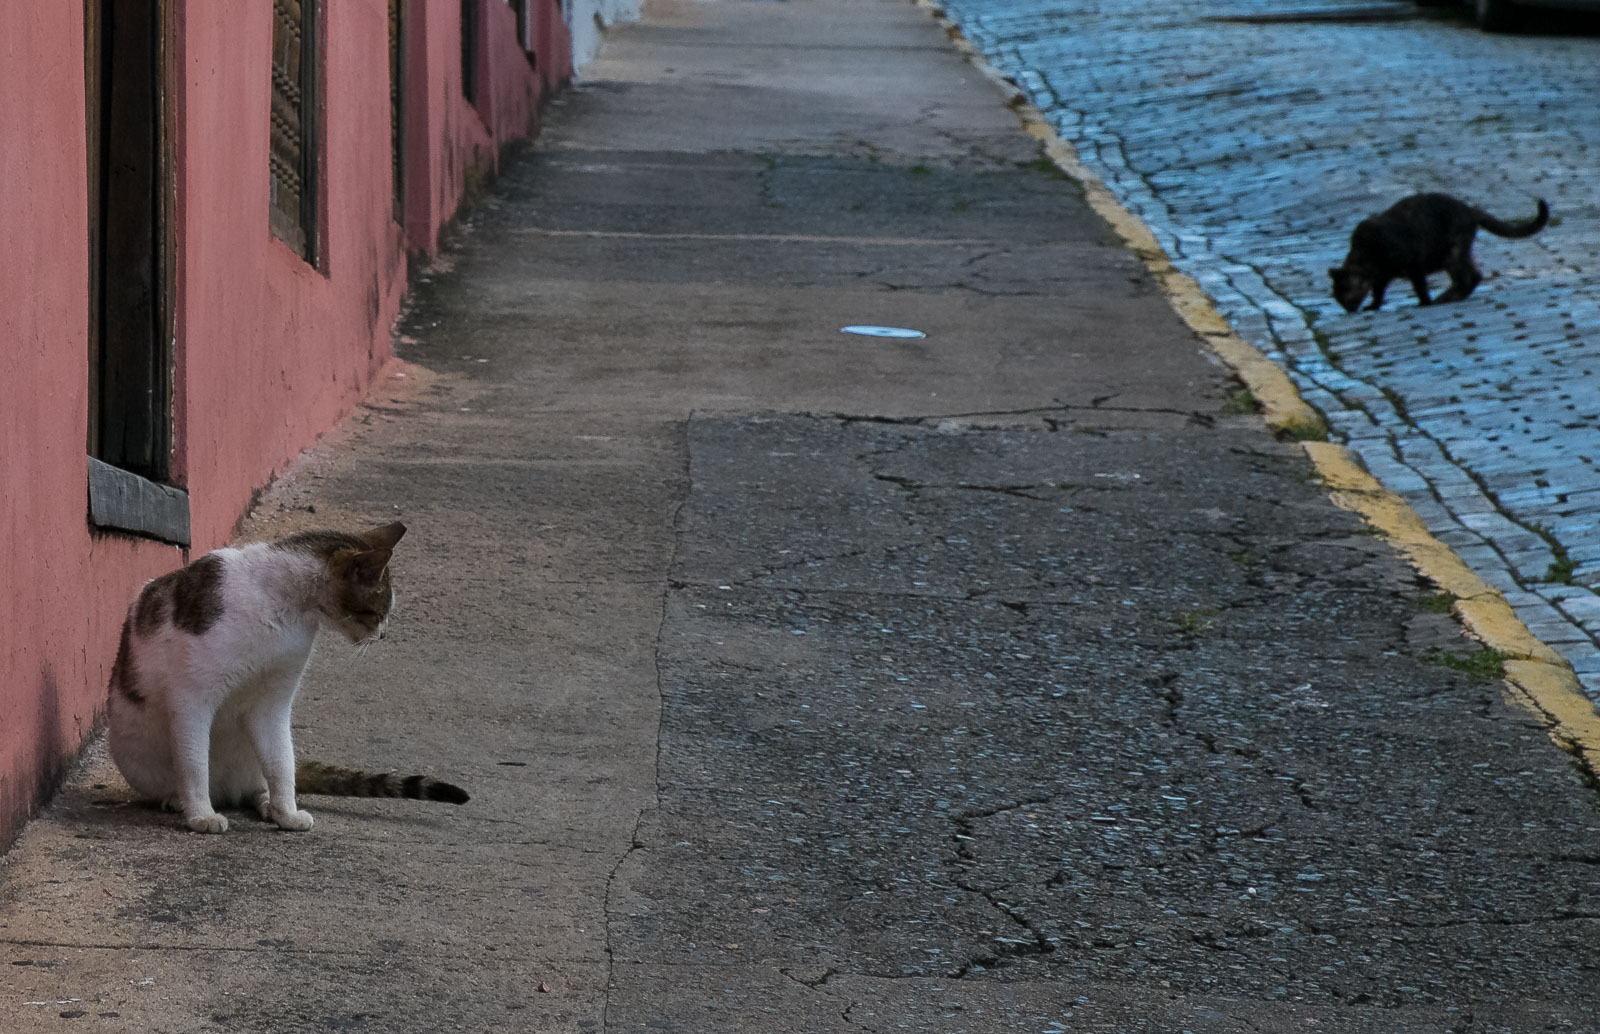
1251 142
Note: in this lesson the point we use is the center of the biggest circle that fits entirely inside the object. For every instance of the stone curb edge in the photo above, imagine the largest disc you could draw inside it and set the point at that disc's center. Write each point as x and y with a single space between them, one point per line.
1538 680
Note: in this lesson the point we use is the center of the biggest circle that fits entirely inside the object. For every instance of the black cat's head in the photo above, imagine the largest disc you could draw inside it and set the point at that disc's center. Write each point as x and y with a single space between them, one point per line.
1350 287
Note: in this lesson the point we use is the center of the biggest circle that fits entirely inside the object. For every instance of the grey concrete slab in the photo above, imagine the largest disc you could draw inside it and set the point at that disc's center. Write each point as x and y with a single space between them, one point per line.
1136 771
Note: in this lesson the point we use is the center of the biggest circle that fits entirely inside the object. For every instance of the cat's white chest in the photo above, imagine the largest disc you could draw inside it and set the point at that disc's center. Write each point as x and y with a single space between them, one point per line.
275 652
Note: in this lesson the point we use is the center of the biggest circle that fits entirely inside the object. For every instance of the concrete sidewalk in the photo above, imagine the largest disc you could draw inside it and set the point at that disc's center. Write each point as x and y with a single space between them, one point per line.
995 680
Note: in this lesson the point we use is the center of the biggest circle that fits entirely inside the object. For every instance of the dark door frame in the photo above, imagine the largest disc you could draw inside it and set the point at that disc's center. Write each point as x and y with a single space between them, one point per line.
130 114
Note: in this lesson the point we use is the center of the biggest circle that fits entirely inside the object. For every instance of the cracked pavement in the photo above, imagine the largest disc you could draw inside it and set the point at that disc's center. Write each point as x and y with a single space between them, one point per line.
1004 679
977 743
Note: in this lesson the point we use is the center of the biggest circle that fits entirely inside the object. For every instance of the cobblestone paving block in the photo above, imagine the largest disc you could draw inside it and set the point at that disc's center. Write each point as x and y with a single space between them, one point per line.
1252 149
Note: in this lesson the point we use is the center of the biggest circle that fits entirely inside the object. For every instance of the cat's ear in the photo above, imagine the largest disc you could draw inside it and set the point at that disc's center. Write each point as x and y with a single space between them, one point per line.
386 537
368 564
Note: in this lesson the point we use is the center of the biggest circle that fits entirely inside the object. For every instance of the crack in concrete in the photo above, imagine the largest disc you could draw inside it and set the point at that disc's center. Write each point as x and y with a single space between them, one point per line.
986 293
918 421
1166 686
815 985
819 984
1009 948
1346 929
1096 405
986 160
973 260
1042 945
1260 829
634 842
913 486
960 817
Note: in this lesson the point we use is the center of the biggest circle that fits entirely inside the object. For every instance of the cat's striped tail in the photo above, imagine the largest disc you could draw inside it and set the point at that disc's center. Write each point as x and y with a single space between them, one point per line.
315 777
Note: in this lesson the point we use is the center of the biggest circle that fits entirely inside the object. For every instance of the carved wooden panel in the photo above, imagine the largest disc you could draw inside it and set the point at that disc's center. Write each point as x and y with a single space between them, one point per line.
397 77
291 156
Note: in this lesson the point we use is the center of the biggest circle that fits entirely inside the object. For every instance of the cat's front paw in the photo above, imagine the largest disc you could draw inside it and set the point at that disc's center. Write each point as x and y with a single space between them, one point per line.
294 821
212 823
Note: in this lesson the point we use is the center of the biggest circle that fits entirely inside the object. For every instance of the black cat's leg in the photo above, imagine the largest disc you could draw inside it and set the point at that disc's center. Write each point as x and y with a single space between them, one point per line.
1463 281
1464 276
1419 284
1377 294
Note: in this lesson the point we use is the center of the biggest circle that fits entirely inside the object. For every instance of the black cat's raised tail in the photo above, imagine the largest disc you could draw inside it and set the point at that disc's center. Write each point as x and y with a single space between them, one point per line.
1526 228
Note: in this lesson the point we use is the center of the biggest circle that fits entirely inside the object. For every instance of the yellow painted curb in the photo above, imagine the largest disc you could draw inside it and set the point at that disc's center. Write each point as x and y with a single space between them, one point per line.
1537 678
1553 695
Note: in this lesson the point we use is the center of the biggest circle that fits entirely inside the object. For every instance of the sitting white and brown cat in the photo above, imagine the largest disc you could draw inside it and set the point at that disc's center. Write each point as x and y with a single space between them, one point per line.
211 659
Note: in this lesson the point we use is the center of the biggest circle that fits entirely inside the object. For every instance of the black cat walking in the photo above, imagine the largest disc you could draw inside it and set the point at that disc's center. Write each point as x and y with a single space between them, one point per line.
1418 235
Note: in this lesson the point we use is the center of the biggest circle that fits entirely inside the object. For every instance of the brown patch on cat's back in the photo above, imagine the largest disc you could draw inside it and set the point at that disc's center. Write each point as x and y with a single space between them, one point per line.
196 594
190 597
121 675
150 612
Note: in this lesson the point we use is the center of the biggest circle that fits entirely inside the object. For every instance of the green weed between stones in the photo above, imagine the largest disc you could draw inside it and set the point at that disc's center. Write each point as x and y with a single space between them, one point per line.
1196 620
1561 565
1479 665
1045 165
1560 569
1303 431
1239 402
1437 603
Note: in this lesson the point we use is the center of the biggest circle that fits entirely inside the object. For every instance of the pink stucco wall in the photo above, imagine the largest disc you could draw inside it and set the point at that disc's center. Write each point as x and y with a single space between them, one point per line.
271 351
552 37
55 575
456 142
